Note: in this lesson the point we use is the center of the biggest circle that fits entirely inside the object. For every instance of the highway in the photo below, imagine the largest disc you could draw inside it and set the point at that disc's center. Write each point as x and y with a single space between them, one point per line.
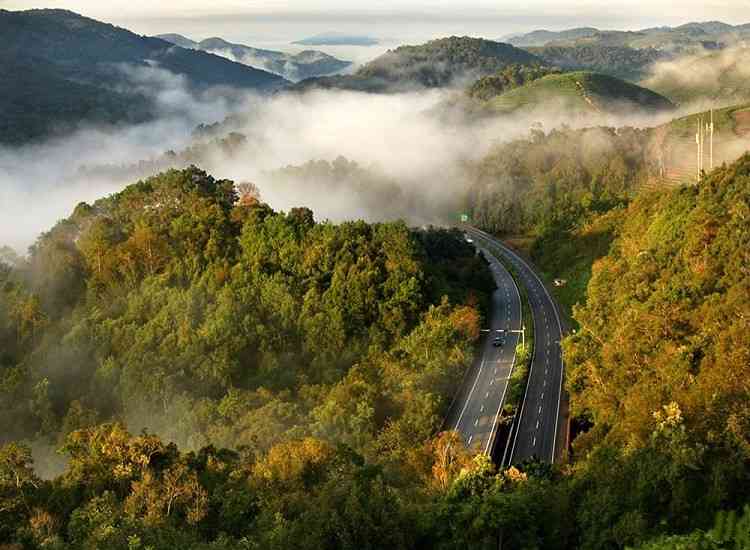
477 407
539 431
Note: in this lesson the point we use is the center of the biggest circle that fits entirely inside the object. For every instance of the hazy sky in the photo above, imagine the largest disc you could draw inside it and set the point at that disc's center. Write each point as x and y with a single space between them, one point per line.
268 23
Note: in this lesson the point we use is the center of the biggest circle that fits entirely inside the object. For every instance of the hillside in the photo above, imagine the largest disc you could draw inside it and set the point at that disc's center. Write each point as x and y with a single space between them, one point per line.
445 62
294 67
620 61
688 37
580 92
634 55
542 37
675 148
62 49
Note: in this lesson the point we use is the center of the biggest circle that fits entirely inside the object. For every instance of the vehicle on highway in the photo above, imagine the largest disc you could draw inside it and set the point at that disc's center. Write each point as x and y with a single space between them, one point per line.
498 342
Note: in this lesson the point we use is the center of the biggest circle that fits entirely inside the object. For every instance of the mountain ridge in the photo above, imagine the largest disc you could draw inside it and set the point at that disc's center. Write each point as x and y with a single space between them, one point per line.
443 62
294 67
56 51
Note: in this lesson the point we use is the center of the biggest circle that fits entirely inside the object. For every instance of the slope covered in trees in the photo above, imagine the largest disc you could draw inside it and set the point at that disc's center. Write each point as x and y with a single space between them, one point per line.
59 69
294 67
620 61
688 37
445 62
323 357
174 307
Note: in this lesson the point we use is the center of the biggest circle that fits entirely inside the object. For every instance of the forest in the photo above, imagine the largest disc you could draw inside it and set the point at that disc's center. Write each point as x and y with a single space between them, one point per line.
215 374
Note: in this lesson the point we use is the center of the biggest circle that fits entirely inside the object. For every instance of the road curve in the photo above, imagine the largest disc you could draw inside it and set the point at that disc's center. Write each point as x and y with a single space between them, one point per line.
476 409
539 432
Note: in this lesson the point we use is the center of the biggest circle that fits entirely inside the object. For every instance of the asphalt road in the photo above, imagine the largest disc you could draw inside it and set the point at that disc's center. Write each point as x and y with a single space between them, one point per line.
476 409
539 432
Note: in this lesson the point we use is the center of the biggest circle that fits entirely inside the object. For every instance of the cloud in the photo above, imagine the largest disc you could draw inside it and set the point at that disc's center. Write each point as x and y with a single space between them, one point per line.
40 184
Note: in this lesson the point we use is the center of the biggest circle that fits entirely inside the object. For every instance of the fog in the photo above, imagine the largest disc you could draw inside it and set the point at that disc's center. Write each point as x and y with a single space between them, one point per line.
412 139
703 80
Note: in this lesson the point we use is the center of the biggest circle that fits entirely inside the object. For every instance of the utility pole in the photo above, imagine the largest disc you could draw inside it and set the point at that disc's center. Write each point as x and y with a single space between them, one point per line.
698 143
711 131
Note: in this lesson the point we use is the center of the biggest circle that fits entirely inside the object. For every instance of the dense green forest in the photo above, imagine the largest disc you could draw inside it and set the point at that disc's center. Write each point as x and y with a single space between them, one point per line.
296 372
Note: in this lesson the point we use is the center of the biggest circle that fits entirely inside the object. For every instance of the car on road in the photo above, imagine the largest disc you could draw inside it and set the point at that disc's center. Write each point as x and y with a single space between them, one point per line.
498 342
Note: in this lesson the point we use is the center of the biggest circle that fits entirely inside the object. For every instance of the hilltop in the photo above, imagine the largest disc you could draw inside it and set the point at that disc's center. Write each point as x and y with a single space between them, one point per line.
439 63
294 67
582 91
74 70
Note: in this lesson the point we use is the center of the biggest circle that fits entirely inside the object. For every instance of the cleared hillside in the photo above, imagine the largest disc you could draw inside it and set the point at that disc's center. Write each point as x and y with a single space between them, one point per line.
580 91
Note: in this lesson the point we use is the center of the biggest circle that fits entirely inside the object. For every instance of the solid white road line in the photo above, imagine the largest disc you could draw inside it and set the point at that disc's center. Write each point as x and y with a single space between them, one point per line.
468 399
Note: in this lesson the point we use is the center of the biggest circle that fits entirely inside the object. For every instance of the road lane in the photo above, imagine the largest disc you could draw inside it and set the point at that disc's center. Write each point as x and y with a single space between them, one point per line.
477 408
539 427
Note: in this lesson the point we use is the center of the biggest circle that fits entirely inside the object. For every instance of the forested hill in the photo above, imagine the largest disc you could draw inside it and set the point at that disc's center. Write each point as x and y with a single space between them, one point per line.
444 62
58 69
708 34
295 67
633 54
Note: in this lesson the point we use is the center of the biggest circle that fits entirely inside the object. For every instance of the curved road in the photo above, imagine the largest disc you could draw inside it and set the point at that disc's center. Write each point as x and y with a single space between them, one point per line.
476 409
539 431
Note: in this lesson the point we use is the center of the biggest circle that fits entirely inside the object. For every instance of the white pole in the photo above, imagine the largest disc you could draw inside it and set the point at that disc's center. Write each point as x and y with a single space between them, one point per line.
712 139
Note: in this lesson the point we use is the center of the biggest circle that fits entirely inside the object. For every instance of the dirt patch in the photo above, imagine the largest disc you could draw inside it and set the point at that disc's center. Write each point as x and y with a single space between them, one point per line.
742 123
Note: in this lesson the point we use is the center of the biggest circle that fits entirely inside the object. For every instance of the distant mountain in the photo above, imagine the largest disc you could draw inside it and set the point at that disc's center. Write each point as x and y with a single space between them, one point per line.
294 67
584 92
542 37
338 39
447 62
688 37
619 61
178 40
72 70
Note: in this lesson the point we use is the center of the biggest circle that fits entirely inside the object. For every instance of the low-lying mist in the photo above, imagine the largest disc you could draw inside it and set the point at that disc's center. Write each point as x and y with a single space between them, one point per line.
703 80
407 140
